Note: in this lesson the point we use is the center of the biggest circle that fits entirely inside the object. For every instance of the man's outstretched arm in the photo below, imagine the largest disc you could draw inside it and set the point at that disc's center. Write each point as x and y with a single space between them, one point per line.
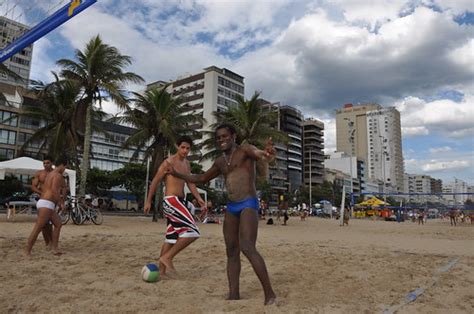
268 153
210 174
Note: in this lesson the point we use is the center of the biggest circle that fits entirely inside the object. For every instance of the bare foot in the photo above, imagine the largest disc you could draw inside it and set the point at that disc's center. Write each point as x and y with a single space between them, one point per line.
57 252
162 268
27 254
169 268
270 301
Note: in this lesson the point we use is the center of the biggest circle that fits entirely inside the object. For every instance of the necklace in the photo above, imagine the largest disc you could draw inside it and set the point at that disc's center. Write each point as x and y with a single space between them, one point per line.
231 155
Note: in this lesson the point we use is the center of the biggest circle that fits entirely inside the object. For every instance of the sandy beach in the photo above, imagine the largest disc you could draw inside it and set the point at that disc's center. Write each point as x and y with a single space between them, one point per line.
315 266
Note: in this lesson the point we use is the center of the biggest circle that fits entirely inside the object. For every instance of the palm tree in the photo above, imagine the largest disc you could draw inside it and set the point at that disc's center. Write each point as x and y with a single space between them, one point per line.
99 71
254 125
159 119
56 107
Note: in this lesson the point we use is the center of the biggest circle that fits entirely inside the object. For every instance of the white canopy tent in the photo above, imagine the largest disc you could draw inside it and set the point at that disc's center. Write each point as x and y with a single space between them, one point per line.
26 165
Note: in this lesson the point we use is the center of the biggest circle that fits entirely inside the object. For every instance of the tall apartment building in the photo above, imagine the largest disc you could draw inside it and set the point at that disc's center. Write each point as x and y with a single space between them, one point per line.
313 145
457 186
351 130
373 133
385 157
291 122
213 89
418 185
20 63
16 130
278 170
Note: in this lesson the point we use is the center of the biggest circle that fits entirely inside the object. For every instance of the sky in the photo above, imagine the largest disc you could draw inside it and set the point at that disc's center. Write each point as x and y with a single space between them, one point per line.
416 55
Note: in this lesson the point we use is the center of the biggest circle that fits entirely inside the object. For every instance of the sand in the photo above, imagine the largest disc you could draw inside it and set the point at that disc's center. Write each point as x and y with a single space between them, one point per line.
315 266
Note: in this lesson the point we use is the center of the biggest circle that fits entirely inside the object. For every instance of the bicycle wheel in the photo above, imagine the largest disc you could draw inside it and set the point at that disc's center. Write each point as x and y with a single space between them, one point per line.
77 215
96 216
64 215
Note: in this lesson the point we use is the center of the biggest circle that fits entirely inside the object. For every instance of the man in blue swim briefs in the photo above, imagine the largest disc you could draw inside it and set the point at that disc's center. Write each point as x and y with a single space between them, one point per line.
53 192
181 228
237 164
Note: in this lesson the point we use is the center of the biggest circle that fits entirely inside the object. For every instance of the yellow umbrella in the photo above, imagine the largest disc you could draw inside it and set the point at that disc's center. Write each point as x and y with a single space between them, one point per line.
373 202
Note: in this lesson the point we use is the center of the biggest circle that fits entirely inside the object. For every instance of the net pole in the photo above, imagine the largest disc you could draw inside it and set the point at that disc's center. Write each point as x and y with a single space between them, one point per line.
59 17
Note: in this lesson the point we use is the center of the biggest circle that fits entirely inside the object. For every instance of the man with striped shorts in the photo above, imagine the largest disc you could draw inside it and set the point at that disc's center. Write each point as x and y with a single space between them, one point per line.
181 228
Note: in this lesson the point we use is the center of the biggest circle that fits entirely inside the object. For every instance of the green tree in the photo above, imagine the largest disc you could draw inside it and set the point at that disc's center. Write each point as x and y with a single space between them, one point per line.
159 119
253 124
99 72
55 107
131 177
99 181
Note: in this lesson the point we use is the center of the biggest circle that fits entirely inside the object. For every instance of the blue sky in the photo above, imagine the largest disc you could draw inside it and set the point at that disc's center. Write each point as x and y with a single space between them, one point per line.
416 55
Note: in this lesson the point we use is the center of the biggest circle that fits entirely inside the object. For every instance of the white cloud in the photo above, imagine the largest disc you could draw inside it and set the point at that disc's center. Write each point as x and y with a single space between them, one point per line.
443 149
414 131
445 165
449 118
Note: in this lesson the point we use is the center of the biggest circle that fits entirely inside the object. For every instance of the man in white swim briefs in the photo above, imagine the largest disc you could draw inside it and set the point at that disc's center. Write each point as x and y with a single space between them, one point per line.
53 192
36 185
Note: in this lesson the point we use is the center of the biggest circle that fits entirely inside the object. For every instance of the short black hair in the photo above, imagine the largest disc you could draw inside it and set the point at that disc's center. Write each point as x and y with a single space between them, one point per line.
185 139
227 126
61 160
48 157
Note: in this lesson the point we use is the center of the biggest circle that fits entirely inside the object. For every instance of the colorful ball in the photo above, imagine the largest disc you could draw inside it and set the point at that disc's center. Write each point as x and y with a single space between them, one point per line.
150 273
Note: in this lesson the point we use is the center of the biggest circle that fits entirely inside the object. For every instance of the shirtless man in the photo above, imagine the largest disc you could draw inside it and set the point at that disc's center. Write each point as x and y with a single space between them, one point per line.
181 228
36 185
237 164
453 213
53 192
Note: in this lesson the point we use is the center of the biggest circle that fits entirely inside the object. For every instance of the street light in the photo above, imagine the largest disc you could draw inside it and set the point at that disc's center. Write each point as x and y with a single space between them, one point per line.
383 153
350 124
310 175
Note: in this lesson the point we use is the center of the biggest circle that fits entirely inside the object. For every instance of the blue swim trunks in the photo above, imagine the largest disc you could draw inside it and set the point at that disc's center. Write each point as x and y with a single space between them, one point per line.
236 208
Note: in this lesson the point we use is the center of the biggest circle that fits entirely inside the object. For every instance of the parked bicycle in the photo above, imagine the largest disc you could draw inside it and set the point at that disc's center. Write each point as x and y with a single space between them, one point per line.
91 213
80 212
71 211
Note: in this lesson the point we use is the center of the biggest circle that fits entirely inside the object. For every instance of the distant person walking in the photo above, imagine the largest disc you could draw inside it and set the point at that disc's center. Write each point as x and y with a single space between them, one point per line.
453 216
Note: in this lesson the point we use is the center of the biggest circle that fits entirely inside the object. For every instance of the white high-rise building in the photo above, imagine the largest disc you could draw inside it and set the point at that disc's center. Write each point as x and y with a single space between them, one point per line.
385 157
20 63
373 134
457 186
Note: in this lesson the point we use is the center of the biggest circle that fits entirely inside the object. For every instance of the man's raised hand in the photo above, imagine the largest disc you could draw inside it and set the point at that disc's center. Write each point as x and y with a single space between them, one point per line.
270 151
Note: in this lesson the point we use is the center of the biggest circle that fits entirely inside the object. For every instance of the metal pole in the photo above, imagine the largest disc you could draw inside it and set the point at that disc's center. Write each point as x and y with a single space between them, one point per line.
147 177
310 174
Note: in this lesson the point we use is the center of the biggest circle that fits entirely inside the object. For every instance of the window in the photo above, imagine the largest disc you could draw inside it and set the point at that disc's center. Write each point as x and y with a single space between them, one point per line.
7 137
6 153
10 116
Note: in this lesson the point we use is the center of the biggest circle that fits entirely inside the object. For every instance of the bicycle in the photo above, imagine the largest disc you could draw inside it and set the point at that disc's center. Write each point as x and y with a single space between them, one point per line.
71 210
90 213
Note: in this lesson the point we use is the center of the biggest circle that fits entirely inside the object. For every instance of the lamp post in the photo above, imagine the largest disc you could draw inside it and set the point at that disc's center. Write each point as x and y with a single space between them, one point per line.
350 124
383 153
310 175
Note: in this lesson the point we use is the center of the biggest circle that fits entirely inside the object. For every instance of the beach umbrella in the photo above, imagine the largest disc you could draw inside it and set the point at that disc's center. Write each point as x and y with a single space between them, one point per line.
373 201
